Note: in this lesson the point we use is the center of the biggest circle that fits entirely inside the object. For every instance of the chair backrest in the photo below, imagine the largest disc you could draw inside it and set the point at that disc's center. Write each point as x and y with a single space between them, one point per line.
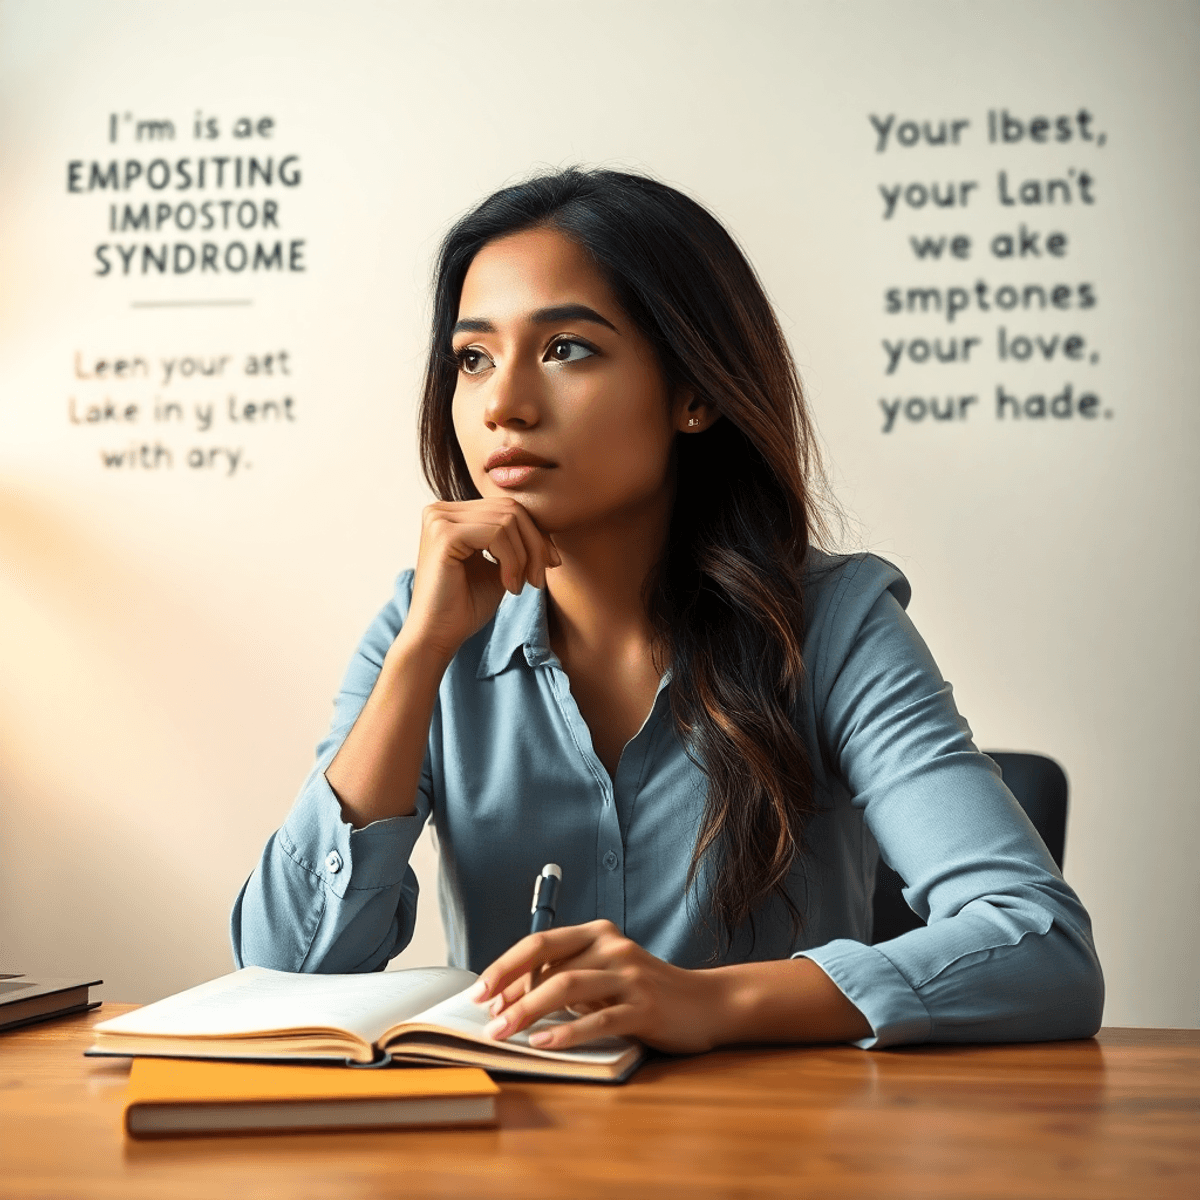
1040 786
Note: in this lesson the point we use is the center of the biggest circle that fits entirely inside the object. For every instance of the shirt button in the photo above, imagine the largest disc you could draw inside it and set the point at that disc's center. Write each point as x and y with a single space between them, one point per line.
333 862
610 861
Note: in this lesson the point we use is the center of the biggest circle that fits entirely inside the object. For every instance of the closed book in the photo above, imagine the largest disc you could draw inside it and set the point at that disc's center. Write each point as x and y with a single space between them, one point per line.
169 1097
24 1001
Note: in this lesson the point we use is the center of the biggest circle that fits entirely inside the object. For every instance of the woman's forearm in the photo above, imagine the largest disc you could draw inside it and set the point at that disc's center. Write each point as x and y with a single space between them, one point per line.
788 1000
621 988
376 772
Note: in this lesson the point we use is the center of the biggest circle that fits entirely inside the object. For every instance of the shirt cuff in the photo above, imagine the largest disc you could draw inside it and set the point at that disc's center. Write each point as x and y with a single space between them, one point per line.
870 981
322 842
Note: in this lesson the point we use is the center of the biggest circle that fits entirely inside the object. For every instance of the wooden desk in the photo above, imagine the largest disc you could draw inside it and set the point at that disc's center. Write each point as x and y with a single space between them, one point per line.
1116 1117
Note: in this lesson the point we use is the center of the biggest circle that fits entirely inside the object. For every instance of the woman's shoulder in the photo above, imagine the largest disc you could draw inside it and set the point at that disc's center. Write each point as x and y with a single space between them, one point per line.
840 590
379 635
836 580
395 612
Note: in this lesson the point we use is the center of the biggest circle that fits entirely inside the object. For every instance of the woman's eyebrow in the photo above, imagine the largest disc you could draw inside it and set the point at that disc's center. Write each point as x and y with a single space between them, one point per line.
473 325
570 312
541 316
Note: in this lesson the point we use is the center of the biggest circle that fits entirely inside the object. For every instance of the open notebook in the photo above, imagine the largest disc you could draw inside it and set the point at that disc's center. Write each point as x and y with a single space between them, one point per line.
420 1015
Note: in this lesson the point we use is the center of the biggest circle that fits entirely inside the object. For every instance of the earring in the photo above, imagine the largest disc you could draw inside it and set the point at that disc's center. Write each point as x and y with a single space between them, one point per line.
693 421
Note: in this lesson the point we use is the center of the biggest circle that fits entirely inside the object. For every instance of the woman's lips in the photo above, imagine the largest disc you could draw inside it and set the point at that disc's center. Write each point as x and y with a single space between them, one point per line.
507 477
511 466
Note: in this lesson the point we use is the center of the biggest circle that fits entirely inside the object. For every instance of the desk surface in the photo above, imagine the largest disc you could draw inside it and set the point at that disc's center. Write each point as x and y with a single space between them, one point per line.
1119 1117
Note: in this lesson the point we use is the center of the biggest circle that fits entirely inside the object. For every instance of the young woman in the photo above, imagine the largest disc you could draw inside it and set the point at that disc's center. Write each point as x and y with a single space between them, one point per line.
621 652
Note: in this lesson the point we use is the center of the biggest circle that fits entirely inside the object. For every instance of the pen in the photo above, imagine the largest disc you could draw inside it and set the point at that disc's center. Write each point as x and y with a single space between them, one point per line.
545 897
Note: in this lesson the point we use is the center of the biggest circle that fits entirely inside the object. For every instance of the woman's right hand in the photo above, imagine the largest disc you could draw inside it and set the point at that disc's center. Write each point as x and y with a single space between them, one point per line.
456 591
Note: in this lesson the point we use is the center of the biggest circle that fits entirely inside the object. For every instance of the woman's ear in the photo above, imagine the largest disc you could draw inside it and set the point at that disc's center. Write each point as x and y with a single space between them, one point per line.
693 414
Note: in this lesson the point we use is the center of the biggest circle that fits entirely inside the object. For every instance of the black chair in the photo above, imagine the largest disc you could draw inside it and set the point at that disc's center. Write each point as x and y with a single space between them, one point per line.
1040 787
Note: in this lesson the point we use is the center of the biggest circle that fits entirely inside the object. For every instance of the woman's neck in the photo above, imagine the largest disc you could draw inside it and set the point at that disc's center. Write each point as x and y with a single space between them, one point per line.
597 603
599 627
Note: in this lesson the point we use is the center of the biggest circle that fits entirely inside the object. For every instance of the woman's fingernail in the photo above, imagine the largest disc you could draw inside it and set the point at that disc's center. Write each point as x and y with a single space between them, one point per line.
540 1039
479 992
497 1006
495 1029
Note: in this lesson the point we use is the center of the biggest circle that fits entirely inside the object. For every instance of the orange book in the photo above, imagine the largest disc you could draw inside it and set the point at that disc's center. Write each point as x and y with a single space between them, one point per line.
168 1097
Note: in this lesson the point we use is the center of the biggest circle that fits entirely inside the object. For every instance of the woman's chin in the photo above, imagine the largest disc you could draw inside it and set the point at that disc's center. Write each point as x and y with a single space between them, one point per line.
546 512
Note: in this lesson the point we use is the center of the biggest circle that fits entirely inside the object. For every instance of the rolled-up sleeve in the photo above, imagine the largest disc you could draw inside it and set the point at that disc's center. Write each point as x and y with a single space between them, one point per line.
1007 954
325 896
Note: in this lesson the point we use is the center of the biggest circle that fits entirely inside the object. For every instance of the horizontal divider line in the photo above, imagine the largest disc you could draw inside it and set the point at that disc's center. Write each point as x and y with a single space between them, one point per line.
190 303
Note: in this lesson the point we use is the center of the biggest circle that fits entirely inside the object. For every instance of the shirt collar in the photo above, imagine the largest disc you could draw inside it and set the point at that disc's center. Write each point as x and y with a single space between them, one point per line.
520 622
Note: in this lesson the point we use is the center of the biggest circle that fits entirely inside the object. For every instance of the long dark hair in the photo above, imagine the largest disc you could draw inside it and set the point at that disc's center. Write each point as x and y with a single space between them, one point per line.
726 601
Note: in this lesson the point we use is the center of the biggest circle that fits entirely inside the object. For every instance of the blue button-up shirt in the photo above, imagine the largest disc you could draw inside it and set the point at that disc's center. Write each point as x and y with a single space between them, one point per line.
511 781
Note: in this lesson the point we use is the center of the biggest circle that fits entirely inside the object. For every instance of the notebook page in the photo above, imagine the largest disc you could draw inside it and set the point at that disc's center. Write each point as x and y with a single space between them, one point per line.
461 1015
257 1000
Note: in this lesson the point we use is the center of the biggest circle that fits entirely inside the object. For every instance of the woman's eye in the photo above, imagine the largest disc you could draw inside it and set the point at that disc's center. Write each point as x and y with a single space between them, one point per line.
472 361
568 350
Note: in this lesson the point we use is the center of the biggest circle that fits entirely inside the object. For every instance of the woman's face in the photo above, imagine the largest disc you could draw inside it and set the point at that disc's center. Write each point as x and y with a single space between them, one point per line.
560 401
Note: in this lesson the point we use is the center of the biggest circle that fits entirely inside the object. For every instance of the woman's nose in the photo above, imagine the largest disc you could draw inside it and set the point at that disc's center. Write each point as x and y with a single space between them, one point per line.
512 400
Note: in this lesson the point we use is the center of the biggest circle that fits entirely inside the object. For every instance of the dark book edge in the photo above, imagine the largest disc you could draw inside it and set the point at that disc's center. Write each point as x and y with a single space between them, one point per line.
32 989
22 1022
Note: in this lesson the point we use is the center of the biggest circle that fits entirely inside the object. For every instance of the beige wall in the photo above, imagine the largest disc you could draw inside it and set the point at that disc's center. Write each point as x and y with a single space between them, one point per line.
170 637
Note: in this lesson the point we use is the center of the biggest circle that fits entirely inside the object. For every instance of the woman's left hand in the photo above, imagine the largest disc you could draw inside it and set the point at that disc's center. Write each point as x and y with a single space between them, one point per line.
616 986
